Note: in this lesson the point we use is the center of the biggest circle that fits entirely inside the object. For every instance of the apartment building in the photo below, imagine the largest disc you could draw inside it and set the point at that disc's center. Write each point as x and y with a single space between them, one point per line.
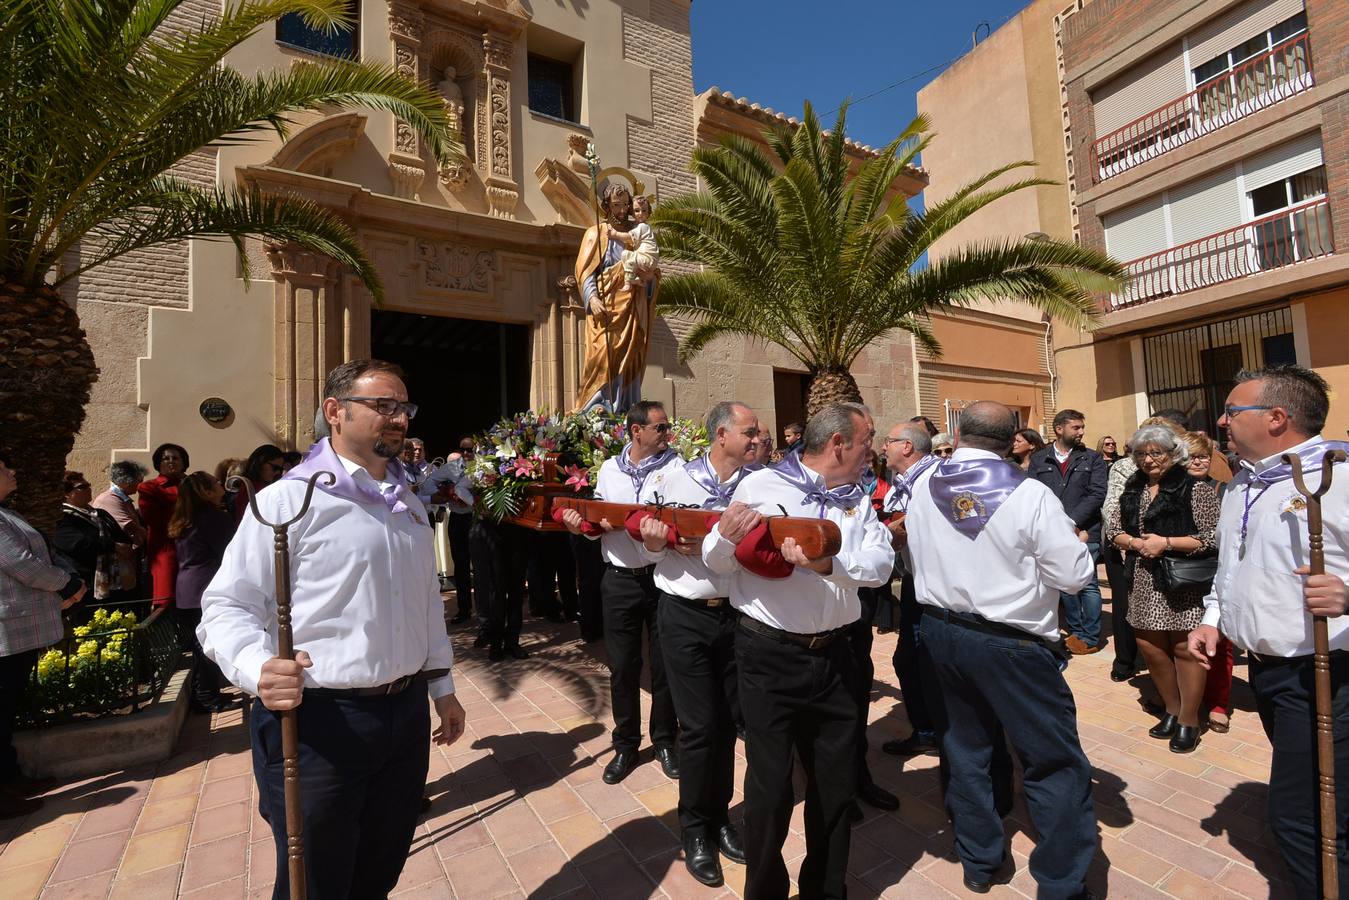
481 307
1208 151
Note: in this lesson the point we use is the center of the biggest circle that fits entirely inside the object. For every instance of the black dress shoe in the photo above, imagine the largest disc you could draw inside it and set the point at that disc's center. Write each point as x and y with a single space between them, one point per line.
1119 677
874 795
701 859
728 842
1185 739
620 766
518 652
461 618
482 640
1165 728
1002 876
669 762
913 745
496 654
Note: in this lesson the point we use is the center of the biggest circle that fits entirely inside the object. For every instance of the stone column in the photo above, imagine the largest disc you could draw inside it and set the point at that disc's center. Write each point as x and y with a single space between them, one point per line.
308 339
502 191
571 328
406 169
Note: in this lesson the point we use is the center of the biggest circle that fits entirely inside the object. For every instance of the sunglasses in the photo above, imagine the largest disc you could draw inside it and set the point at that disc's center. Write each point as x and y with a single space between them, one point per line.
661 428
945 451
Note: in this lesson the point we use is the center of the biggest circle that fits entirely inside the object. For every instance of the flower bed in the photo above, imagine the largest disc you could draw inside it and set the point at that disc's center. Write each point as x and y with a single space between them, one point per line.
114 663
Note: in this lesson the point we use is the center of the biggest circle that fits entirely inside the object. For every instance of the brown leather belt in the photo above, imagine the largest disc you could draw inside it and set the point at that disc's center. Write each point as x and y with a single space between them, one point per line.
816 641
700 603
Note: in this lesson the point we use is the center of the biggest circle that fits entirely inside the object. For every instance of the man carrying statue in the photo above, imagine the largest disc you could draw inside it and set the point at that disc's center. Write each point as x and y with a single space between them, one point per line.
620 309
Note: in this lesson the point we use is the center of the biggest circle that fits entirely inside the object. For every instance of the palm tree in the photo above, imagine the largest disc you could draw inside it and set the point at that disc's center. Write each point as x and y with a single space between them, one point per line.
799 252
99 99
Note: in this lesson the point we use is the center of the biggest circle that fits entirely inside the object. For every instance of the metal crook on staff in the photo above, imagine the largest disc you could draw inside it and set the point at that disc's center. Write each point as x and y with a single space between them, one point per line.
285 640
1325 713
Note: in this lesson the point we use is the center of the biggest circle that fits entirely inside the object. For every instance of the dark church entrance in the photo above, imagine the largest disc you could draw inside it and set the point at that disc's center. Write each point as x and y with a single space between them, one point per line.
463 374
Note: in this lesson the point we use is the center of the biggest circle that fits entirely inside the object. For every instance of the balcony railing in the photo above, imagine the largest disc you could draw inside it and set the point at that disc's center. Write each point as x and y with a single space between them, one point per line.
1273 242
1259 82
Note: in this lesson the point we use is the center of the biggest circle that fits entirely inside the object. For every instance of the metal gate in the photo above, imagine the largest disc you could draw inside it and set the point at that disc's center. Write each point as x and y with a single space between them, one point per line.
1193 369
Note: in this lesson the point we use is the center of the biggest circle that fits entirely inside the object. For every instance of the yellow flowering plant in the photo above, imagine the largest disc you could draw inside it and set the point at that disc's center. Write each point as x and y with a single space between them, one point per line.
90 669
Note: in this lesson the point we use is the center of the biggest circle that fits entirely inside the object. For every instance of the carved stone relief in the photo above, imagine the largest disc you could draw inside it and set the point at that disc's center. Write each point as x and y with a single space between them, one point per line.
406 179
456 267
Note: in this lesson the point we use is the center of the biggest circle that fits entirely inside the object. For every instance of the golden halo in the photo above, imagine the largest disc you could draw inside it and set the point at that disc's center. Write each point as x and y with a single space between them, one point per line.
635 187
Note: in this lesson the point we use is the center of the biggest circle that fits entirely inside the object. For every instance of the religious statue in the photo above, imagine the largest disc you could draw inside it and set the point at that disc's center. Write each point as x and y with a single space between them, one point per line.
620 305
454 99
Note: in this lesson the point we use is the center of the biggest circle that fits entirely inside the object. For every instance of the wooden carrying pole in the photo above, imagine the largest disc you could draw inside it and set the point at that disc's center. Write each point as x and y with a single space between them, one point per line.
1325 712
285 649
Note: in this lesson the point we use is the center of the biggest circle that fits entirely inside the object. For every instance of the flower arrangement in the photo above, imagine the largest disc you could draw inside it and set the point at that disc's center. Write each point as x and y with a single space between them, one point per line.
515 453
96 666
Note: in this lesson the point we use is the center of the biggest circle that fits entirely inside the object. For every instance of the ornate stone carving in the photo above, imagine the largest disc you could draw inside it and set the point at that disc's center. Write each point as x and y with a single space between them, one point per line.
568 294
576 153
502 197
498 51
405 22
456 267
404 138
406 179
405 61
567 190
501 126
455 176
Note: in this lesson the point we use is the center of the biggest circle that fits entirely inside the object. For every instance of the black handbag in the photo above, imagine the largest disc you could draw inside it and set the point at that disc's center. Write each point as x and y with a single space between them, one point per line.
1173 574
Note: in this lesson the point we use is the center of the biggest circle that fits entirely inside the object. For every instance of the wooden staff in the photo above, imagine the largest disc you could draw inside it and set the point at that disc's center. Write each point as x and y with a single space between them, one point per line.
285 640
1325 713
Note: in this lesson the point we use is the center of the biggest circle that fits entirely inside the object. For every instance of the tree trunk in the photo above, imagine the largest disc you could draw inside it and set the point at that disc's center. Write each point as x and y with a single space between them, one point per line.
46 370
833 384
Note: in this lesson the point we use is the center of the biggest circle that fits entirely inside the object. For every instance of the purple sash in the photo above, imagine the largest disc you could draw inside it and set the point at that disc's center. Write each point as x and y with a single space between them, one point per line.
718 494
1312 458
792 471
639 471
969 492
903 486
322 458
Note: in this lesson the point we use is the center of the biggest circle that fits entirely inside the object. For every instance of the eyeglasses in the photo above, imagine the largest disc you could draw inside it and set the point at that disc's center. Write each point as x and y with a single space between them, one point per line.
81 487
1196 457
385 406
660 427
1232 412
945 451
1152 454
892 440
1108 444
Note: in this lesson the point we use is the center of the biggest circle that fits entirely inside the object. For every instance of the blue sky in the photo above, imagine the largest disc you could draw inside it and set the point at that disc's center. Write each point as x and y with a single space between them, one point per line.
779 53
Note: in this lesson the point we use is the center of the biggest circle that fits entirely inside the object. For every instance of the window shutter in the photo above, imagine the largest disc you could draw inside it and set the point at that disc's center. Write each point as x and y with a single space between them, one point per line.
1283 161
1138 230
1205 206
1148 86
1238 26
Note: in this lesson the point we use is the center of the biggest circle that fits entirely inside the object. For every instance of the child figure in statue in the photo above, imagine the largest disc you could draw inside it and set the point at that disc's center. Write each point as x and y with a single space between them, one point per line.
643 254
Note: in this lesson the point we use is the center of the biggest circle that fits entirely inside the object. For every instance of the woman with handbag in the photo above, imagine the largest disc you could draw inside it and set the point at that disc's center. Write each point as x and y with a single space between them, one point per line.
1165 525
91 538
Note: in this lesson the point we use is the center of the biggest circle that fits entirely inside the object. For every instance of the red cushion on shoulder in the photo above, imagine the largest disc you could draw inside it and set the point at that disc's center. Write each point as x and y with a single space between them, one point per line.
758 555
587 528
633 525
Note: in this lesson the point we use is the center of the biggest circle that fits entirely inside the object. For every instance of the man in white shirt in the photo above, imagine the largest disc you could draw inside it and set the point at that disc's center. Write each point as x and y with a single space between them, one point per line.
697 637
908 454
629 594
991 549
795 669
1263 599
369 630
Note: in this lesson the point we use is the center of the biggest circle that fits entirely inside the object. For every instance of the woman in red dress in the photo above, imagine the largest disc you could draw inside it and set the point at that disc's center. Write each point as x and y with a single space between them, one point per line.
158 496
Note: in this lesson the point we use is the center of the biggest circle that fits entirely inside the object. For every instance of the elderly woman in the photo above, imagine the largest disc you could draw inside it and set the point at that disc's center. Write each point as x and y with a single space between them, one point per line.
116 501
1024 443
943 445
1217 705
157 499
1164 514
33 592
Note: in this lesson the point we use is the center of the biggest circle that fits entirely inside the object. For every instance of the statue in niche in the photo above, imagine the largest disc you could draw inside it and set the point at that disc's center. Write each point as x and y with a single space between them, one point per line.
454 99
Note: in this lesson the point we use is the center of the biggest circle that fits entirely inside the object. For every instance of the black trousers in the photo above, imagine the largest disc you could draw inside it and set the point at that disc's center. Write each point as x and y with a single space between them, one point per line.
552 575
990 686
698 645
499 561
363 765
906 659
803 702
14 672
1121 632
460 525
630 605
207 679
1285 696
860 639
589 573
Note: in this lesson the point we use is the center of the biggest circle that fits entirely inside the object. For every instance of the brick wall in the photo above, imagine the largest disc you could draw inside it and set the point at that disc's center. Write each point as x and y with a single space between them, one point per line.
1328 28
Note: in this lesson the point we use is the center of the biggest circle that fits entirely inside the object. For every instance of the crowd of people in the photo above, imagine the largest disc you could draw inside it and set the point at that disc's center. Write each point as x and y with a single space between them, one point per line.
991 536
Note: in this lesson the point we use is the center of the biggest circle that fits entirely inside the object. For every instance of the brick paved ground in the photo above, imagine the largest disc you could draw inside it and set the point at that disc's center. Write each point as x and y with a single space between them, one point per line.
519 808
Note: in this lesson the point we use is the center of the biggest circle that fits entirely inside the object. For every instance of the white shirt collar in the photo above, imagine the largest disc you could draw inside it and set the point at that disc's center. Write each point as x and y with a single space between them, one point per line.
354 467
973 453
1270 462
